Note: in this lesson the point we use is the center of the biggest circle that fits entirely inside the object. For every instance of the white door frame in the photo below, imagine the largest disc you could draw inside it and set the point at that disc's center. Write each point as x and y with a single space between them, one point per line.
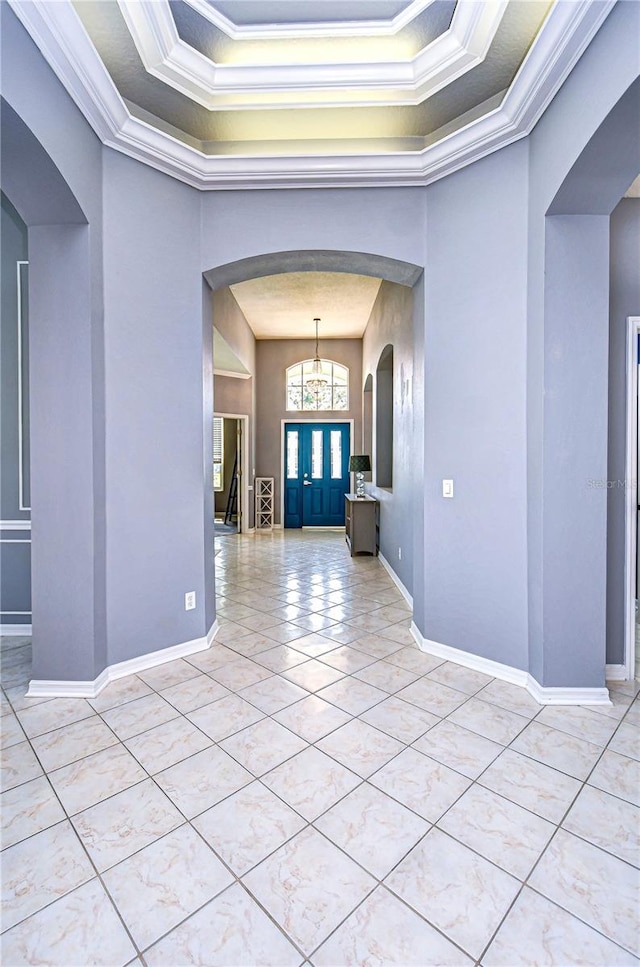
631 498
243 489
293 419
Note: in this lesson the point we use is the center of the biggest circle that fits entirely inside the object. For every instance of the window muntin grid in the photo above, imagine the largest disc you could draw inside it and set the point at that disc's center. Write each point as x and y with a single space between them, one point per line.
333 396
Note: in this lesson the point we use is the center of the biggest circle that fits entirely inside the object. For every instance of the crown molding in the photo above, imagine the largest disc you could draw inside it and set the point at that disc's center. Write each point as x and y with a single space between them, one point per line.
294 31
224 87
64 43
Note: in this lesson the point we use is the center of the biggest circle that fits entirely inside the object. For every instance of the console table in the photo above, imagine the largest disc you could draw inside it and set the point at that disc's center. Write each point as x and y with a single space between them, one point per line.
360 524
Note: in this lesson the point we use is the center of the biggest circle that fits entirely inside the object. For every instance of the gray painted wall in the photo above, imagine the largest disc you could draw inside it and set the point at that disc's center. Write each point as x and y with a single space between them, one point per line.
573 514
474 404
391 323
624 301
15 545
273 356
154 403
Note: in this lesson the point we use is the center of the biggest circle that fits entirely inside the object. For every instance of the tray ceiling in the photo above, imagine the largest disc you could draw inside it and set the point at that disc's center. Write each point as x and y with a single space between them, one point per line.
239 93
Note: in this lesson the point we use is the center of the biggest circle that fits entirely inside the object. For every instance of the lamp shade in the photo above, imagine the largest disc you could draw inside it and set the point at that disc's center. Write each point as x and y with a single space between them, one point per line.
359 463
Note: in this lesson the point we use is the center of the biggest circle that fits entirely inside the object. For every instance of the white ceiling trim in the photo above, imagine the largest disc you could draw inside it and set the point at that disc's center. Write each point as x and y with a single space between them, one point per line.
308 31
59 34
249 86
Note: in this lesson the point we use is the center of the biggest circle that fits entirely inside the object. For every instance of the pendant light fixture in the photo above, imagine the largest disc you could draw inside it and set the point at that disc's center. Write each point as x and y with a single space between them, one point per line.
316 381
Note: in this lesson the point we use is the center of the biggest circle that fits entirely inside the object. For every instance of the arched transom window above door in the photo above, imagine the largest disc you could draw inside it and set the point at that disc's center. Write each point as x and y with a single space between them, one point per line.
310 390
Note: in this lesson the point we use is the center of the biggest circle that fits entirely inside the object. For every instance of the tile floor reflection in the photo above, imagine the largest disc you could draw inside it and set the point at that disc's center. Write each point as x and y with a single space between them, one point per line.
314 790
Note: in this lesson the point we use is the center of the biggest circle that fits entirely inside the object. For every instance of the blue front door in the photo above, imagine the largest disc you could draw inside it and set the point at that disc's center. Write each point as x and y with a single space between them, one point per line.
316 474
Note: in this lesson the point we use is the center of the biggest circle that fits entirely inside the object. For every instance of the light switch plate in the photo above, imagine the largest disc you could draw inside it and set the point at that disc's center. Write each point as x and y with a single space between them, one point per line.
447 488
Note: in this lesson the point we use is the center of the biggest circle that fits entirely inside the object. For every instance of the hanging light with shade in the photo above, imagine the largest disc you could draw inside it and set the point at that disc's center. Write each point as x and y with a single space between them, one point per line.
316 380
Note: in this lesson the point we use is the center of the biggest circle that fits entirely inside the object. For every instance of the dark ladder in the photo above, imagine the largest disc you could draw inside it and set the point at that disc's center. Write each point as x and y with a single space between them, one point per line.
232 502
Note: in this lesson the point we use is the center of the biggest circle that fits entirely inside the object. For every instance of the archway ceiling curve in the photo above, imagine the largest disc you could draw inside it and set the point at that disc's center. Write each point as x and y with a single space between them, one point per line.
240 93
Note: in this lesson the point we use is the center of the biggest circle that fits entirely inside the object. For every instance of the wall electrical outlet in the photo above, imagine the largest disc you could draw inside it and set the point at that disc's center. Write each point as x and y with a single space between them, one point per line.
447 488
399 553
189 600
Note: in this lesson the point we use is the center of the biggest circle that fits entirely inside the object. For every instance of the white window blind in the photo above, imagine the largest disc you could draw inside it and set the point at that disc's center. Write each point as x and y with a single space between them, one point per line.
218 453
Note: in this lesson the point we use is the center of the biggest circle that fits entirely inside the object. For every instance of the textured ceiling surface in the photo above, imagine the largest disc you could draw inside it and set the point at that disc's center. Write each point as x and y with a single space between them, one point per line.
284 306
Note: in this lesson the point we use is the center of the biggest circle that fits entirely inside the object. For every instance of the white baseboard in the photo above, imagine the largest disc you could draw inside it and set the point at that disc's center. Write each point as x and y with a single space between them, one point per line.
39 688
9 631
616 673
545 695
396 580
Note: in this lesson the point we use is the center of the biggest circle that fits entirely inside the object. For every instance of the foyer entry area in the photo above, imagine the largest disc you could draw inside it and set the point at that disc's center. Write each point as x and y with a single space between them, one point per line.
315 790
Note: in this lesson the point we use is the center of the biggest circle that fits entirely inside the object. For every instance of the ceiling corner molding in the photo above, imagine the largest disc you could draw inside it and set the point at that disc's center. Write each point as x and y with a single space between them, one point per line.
63 41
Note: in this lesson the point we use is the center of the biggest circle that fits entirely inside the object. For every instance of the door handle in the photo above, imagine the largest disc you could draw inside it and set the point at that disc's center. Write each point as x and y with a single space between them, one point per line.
307 483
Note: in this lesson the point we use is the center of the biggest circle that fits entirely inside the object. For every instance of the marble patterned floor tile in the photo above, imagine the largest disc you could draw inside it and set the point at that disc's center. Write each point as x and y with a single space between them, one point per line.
400 719
263 746
378 647
213 658
421 784
28 809
466 680
280 658
495 723
352 695
119 693
158 887
167 744
240 673
139 715
373 829
273 694
360 747
531 784
314 622
632 716
432 696
47 716
313 675
511 837
252 645
119 826
202 780
394 613
626 741
578 721
594 886
18 765
225 716
194 693
348 660
313 645
383 932
288 631
558 750
399 633
168 674
390 678
515 698
312 718
231 632
308 886
607 822
230 930
411 658
247 826
342 633
256 621
619 775
288 612
79 928
71 742
537 933
41 869
88 781
457 891
464 751
311 782
619 707
10 730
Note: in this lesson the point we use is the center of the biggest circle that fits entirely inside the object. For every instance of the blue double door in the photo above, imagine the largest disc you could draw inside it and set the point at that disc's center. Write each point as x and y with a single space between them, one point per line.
316 474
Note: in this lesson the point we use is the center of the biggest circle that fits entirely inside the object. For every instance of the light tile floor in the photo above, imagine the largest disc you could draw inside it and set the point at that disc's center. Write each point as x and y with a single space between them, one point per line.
314 790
